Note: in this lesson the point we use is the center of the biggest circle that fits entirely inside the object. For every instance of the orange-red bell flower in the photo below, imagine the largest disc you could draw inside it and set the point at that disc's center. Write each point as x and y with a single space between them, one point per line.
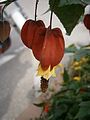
28 31
87 21
38 43
48 47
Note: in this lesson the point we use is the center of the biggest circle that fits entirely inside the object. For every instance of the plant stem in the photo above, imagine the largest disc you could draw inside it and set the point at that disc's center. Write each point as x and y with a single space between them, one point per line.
52 14
51 19
36 9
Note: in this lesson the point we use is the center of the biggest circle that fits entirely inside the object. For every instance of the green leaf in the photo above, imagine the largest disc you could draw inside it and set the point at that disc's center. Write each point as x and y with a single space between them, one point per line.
69 14
86 1
85 104
60 110
71 49
84 110
82 53
68 2
65 76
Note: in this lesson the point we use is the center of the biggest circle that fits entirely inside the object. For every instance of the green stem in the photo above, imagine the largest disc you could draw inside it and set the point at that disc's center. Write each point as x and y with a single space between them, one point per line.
36 9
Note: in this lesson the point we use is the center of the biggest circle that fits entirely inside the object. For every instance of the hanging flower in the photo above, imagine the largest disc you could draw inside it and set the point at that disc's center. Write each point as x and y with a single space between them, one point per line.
46 73
28 31
48 47
4 30
87 21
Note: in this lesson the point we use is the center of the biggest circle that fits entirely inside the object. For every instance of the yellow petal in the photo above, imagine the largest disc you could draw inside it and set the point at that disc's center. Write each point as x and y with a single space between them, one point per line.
46 73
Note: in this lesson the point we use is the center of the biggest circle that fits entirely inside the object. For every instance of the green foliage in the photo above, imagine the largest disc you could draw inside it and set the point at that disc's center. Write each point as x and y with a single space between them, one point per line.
71 49
68 12
72 102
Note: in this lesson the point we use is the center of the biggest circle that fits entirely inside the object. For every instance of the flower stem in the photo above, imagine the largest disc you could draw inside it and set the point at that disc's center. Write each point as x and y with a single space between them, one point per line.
36 9
51 19
52 14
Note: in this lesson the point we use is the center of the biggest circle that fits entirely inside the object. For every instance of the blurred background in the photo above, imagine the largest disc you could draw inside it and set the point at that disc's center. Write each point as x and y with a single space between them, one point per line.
17 64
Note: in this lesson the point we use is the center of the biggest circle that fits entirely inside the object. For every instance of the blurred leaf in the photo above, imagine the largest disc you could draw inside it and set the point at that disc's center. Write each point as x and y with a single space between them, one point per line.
85 104
84 110
71 49
86 1
82 53
59 110
68 13
65 76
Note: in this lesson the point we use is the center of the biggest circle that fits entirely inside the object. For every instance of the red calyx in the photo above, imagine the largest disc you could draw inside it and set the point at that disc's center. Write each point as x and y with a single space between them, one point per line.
87 21
28 31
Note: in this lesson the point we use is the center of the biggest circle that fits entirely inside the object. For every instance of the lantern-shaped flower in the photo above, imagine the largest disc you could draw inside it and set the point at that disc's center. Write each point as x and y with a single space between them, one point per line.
87 21
48 47
87 17
4 30
28 31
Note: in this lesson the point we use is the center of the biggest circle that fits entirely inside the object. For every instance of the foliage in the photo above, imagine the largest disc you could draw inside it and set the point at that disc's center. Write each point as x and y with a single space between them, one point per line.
66 11
72 102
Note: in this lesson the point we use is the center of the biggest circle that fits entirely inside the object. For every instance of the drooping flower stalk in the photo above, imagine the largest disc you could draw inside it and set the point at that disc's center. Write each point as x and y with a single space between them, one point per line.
52 14
36 9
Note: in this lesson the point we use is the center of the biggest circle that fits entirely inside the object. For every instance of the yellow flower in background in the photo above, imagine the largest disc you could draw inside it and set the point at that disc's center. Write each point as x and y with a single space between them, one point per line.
76 63
77 78
83 60
78 68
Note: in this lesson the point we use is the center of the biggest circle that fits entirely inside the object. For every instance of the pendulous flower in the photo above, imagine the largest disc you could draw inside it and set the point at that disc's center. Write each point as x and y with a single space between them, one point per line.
28 31
4 30
48 47
87 21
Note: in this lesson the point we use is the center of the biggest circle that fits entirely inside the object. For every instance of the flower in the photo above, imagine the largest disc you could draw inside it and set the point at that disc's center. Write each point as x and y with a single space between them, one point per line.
28 31
87 21
4 30
48 47
46 73
77 78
